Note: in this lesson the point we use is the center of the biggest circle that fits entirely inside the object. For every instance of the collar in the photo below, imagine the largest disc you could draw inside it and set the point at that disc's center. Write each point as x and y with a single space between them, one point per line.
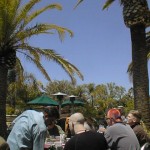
81 131
137 123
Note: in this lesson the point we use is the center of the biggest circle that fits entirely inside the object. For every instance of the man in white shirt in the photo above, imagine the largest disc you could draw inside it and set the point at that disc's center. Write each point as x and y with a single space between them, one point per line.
29 130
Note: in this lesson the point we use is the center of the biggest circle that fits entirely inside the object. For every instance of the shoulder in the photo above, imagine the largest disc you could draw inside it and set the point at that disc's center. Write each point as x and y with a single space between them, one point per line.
117 128
3 144
95 135
2 140
138 128
70 144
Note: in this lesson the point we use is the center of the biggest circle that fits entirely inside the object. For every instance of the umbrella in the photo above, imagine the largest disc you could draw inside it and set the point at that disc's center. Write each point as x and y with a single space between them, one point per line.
44 100
76 103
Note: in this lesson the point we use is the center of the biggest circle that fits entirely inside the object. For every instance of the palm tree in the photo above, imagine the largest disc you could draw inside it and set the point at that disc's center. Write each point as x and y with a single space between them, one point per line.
136 17
22 91
91 88
130 66
63 86
14 34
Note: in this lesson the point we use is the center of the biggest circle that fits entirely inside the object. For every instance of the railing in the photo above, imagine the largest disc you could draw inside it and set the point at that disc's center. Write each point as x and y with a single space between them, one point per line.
10 118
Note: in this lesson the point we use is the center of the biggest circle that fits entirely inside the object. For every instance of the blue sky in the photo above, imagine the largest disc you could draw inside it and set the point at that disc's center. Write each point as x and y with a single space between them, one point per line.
100 48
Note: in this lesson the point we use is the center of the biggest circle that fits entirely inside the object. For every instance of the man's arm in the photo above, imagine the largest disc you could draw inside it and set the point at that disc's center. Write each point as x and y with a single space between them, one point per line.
38 138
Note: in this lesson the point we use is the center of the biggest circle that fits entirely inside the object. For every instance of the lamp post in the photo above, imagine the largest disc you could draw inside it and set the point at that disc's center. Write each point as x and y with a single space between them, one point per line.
72 99
59 97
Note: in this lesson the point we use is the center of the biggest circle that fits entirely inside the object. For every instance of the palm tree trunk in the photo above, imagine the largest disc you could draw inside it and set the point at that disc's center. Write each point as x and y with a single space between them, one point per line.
140 72
3 91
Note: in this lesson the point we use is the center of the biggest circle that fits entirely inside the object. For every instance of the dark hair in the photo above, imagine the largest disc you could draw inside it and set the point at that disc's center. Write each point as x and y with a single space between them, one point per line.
49 121
136 114
52 112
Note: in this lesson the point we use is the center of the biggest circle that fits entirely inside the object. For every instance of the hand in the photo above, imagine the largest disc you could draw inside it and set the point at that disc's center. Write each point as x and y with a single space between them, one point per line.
101 129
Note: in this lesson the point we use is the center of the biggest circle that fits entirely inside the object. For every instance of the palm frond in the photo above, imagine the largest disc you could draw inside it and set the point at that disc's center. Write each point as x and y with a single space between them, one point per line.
40 29
130 72
79 1
31 51
37 63
7 15
24 10
67 66
36 13
49 54
108 3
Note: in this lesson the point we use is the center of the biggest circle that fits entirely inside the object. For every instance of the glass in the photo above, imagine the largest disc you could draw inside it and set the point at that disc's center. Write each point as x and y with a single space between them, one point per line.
58 145
101 129
62 138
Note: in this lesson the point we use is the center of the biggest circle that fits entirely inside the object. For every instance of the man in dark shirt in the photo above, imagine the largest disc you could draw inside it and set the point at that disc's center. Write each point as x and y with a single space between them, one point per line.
133 119
83 139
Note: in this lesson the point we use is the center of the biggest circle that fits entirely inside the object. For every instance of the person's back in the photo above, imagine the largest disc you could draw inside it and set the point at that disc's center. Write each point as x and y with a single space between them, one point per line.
118 135
83 139
88 140
28 132
121 137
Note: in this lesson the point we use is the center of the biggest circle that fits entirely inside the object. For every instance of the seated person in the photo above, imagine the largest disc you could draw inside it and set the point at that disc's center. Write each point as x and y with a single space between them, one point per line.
53 129
61 122
67 129
118 135
133 119
3 144
83 139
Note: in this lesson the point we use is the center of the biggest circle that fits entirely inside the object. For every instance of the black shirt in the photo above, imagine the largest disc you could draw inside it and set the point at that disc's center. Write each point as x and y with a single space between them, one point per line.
54 131
89 140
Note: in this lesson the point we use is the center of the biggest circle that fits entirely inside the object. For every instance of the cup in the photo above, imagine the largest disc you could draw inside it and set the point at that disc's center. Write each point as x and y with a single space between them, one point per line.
62 138
58 145
101 129
67 139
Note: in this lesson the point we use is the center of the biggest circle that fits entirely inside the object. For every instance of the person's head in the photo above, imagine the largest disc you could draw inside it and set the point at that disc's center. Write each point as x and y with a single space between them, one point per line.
76 120
51 113
50 123
113 116
134 117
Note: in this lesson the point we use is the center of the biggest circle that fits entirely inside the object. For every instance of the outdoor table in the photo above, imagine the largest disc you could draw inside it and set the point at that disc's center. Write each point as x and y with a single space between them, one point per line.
53 142
48 145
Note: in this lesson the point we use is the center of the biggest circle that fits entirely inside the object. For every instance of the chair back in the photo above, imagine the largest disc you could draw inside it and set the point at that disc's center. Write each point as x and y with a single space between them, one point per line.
146 146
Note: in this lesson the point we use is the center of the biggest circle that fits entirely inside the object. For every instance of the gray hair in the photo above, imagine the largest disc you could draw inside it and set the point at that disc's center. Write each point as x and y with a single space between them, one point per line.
77 118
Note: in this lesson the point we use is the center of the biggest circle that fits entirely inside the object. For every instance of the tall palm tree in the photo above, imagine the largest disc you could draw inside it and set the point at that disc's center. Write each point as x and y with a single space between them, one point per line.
14 34
137 17
130 66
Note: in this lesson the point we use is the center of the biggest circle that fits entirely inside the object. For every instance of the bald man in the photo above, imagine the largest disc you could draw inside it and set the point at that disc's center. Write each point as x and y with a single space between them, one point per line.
83 139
